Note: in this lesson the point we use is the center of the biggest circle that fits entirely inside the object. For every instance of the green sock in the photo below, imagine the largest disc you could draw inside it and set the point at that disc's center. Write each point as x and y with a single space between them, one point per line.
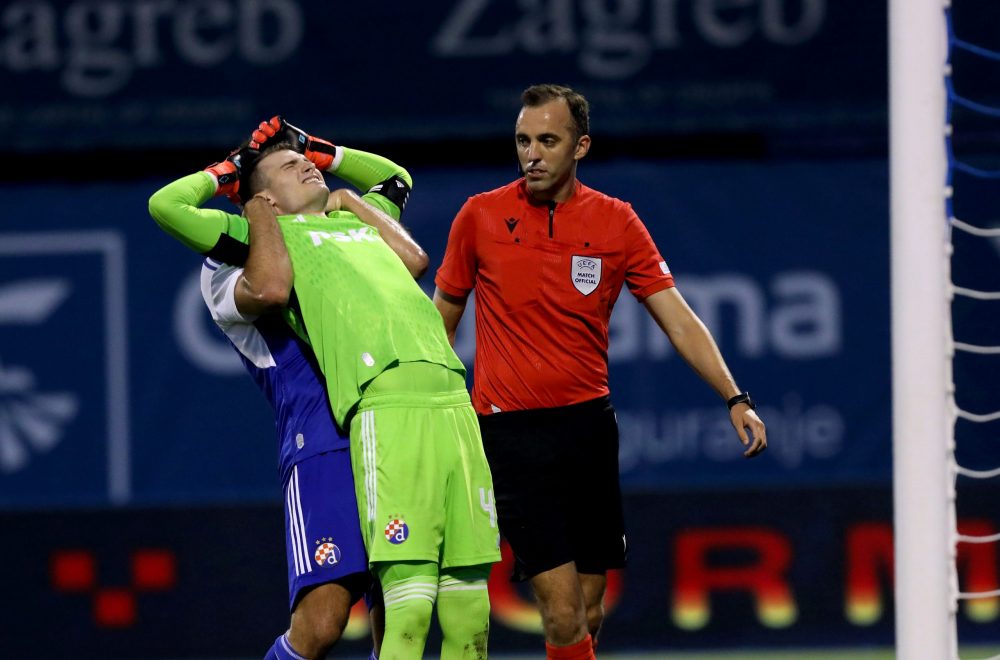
463 609
409 590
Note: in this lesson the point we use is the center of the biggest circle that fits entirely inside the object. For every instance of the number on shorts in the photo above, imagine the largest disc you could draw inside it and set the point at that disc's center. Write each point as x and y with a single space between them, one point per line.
489 505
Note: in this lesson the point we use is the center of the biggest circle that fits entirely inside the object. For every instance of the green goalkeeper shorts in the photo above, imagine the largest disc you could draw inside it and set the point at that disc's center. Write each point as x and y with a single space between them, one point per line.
423 484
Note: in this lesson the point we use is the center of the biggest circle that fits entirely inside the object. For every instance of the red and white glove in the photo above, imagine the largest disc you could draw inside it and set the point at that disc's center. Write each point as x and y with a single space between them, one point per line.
227 177
321 152
267 130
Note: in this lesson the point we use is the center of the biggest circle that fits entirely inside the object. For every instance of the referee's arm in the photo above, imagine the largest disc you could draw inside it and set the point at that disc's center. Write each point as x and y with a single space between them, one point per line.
451 308
695 344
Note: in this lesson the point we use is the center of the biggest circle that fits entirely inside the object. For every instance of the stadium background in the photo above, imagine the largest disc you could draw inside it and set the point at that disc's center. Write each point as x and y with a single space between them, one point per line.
140 512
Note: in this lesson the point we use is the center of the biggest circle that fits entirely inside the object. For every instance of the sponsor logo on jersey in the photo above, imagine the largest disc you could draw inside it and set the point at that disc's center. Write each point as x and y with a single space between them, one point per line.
327 553
586 273
511 224
364 234
397 531
664 268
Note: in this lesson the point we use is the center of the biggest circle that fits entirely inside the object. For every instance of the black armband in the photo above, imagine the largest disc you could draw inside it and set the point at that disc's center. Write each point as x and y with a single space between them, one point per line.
394 189
230 251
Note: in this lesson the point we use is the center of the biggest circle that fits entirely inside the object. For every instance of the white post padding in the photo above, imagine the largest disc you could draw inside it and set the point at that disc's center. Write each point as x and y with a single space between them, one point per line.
921 360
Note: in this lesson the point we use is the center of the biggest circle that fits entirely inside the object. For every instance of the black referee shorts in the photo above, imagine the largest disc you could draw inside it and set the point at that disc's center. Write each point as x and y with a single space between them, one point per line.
555 479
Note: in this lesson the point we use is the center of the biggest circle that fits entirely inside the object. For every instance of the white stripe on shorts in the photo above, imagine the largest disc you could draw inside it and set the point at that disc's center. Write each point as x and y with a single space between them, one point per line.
296 527
368 446
292 523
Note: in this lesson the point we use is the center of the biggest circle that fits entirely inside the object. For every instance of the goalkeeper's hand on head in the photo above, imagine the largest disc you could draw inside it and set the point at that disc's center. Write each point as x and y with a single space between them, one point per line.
276 129
227 176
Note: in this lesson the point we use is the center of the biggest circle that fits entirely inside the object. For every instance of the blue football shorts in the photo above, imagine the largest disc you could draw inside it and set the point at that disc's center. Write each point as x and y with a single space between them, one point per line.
322 534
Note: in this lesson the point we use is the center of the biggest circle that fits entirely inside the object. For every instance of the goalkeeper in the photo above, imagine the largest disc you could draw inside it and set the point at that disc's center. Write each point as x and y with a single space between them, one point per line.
422 483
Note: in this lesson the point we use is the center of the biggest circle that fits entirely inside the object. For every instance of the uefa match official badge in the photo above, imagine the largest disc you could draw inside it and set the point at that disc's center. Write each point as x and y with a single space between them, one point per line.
397 530
586 273
327 553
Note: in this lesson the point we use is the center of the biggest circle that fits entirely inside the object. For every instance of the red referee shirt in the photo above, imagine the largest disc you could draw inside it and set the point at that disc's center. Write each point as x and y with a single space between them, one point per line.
546 278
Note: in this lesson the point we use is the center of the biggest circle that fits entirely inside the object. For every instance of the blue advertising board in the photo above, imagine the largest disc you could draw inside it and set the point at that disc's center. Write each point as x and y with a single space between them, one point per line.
119 389
181 73
55 386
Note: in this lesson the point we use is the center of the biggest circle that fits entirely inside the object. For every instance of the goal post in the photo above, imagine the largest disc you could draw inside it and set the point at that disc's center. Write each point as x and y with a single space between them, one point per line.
921 333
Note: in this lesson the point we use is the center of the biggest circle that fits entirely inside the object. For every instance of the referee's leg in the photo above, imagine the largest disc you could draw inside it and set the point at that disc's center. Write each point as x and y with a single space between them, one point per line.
561 601
593 586
541 497
599 510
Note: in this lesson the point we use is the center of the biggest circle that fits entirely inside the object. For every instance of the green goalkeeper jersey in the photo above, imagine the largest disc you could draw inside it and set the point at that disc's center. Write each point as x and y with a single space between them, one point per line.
363 311
356 303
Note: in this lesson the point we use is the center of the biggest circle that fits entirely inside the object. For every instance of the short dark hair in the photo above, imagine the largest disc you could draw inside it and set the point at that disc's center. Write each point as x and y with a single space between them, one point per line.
251 180
579 109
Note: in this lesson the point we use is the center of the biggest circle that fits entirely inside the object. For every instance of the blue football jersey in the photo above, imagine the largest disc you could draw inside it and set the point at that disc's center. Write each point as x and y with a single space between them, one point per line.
282 365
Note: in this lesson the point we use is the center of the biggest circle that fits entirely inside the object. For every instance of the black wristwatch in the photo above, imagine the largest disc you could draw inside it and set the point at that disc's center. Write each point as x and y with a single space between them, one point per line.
742 397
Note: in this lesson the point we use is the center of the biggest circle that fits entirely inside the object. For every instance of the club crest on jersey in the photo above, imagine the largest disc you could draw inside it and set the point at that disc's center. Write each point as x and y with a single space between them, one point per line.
586 273
397 531
327 553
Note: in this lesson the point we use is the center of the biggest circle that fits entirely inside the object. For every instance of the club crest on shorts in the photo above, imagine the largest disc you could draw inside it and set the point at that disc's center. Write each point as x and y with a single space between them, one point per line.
397 531
586 273
327 553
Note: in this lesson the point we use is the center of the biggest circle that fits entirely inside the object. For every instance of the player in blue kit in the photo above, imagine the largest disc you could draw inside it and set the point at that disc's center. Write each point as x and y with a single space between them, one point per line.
327 563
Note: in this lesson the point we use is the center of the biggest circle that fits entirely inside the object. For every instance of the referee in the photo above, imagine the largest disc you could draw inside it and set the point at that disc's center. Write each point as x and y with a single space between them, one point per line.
547 257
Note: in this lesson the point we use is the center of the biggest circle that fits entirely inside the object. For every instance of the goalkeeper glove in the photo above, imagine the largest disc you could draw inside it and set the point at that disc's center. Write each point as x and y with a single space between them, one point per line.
267 130
227 176
319 151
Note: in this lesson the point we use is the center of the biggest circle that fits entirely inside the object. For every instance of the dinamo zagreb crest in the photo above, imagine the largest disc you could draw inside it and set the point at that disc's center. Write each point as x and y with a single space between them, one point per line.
327 553
397 531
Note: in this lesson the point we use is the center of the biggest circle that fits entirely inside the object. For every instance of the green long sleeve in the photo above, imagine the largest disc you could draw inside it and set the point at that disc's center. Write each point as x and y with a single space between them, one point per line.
214 233
365 170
